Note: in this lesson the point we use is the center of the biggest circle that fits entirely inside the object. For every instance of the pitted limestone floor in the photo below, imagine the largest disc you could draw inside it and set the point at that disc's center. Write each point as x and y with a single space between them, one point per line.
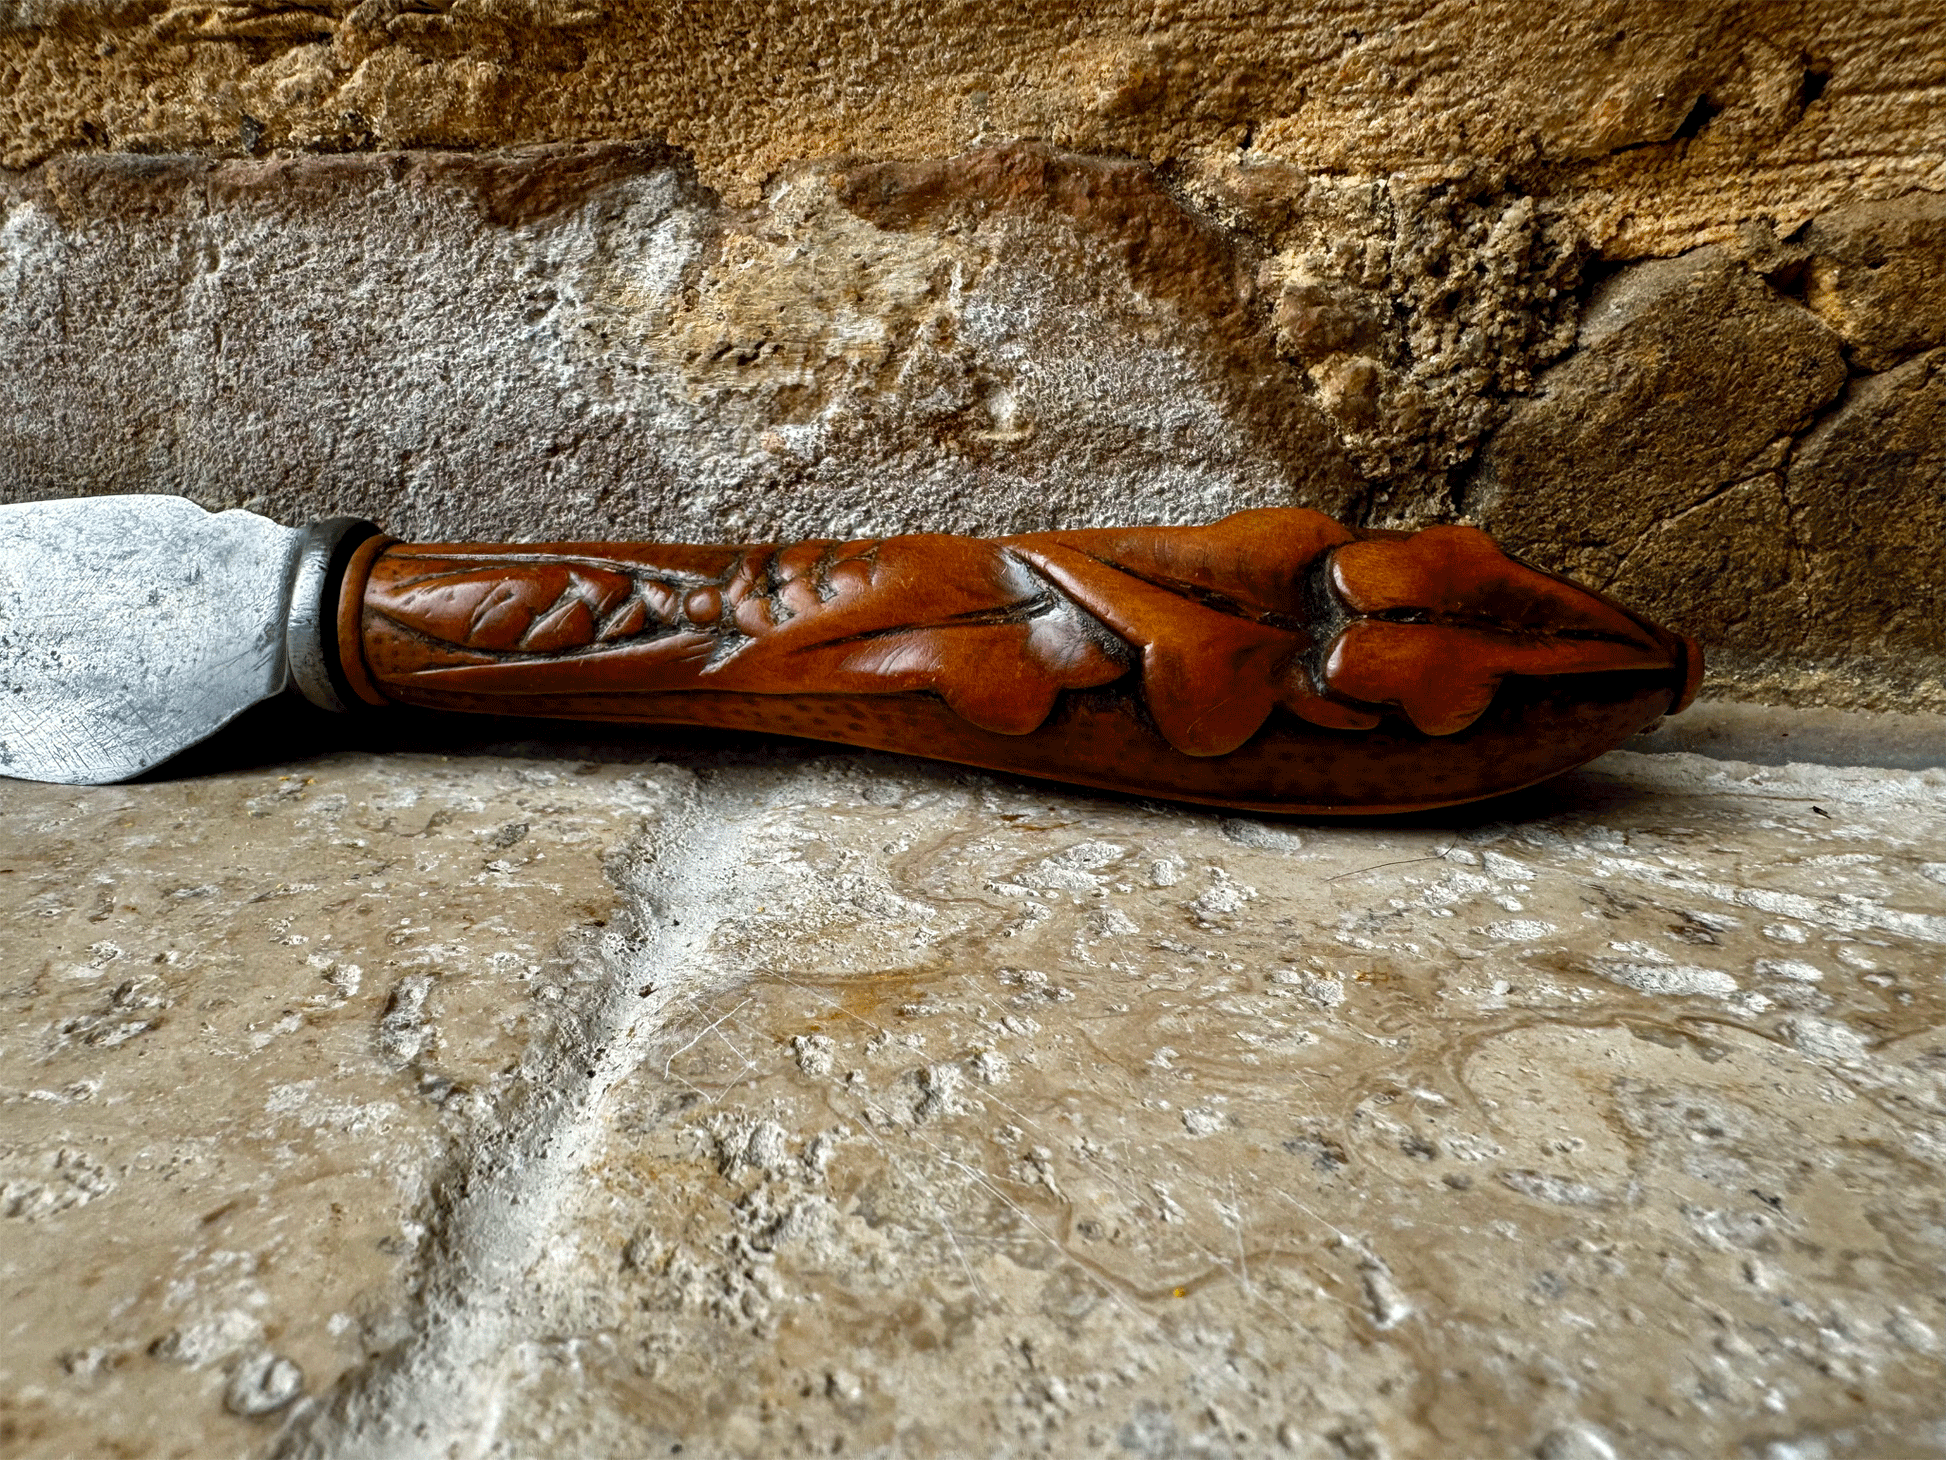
806 1103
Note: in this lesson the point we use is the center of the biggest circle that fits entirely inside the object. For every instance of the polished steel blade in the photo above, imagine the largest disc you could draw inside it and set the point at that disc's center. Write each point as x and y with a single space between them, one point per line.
131 628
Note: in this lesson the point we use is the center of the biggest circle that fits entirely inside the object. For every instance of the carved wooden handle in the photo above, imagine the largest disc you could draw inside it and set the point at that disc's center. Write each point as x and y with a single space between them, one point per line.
1274 660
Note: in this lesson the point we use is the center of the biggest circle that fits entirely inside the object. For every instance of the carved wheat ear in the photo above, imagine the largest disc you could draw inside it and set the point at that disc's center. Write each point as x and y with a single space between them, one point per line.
1273 659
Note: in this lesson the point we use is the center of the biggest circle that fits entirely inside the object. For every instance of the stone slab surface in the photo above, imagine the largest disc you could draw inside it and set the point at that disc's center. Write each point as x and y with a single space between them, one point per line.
246 1018
772 1102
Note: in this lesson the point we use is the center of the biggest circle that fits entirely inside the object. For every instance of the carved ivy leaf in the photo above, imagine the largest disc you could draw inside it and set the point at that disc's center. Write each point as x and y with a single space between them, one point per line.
1219 613
1448 616
1210 678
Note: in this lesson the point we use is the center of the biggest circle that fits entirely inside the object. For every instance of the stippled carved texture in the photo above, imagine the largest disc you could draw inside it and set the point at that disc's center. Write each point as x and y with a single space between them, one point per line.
1273 625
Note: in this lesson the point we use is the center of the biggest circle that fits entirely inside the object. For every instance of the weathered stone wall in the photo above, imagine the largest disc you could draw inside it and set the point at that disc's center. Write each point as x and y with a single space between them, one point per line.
1655 292
1667 122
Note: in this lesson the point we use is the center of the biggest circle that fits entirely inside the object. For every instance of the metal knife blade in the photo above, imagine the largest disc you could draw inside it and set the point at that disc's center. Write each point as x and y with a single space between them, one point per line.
133 627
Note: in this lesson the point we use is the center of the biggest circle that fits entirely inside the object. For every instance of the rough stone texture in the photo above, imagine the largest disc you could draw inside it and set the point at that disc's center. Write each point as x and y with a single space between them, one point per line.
912 1112
1705 446
1688 370
1665 125
1870 476
1416 310
246 1018
1873 273
1744 439
466 348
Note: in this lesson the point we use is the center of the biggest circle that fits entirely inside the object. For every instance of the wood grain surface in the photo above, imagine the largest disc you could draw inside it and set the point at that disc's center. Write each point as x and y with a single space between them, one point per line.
1275 660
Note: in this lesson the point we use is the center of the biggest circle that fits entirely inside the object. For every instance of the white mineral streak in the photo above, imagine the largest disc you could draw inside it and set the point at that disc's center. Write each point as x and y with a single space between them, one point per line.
442 1392
1667 977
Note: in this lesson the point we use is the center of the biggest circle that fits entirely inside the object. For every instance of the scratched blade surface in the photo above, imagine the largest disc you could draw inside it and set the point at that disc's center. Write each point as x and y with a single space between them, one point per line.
131 628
